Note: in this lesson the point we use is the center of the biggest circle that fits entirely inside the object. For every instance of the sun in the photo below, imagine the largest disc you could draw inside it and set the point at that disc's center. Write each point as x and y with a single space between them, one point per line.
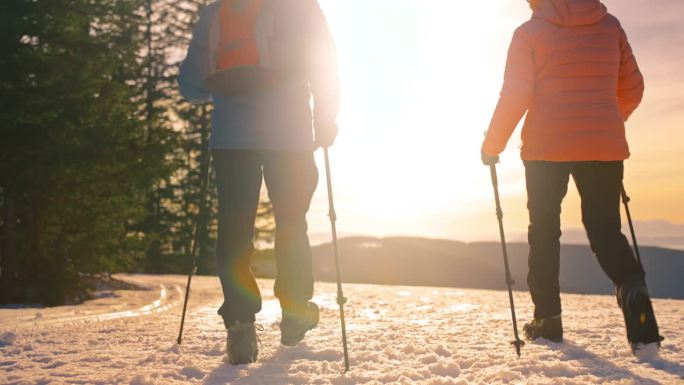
420 80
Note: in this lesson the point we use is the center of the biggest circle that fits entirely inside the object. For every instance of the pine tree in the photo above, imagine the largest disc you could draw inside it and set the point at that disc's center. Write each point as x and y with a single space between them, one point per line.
193 156
155 93
76 161
101 159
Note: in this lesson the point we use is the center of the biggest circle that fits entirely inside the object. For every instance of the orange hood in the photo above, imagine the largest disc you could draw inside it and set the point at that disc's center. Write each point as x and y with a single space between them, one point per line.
571 13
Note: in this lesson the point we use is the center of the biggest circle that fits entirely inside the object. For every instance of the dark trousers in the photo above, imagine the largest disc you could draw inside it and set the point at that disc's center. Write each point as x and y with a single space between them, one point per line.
599 185
291 179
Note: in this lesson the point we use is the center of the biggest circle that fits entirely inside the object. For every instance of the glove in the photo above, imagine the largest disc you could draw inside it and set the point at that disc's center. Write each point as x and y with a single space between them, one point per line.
489 160
326 133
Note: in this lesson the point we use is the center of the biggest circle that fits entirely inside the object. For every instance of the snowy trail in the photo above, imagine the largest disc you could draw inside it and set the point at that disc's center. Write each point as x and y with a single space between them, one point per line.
398 335
169 296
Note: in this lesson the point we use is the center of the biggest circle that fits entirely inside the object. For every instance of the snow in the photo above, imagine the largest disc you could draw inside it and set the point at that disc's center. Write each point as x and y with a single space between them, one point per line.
7 338
397 335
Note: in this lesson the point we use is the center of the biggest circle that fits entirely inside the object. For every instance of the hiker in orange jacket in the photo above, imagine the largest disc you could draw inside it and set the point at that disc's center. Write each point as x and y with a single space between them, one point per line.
571 68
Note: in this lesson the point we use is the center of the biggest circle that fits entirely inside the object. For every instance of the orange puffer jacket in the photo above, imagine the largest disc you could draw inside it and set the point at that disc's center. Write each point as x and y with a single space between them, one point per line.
571 68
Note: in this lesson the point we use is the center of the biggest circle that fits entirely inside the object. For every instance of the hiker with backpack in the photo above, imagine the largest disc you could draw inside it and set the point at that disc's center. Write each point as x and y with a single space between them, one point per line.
572 70
259 62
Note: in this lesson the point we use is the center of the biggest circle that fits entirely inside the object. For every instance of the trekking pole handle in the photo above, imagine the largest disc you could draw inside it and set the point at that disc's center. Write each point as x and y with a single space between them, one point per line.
625 198
331 205
495 184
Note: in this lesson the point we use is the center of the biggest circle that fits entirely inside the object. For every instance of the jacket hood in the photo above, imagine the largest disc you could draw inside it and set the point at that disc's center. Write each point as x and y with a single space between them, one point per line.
571 13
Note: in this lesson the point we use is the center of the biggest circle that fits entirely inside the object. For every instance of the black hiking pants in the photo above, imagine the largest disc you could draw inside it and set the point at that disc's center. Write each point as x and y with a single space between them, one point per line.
291 179
599 185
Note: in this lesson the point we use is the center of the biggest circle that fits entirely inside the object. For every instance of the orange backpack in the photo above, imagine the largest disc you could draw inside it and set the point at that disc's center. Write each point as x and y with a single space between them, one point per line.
243 51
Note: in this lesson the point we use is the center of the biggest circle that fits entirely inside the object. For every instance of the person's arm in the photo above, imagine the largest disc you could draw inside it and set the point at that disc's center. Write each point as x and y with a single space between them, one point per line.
324 81
516 94
630 83
190 80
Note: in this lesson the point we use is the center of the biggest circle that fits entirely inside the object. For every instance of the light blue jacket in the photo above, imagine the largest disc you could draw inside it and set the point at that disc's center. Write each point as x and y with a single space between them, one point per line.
280 119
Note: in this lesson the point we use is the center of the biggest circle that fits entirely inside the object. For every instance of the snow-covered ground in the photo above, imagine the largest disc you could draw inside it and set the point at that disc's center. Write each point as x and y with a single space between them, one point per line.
398 335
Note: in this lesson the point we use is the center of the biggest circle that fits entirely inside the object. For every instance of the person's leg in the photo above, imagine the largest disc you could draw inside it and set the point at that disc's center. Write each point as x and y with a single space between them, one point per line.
547 184
599 185
238 180
291 179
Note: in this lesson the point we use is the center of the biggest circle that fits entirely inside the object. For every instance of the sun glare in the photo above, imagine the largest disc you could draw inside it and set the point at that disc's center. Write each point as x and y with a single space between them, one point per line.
420 80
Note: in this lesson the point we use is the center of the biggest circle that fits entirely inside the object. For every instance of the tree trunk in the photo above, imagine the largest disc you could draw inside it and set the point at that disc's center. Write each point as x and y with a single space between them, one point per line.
8 254
204 215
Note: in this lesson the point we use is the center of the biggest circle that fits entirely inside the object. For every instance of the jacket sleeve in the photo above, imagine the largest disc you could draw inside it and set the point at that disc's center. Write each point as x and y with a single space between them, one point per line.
324 80
516 94
630 82
190 81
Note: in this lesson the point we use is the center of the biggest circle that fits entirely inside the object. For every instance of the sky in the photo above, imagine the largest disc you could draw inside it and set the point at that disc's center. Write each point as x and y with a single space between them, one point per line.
420 80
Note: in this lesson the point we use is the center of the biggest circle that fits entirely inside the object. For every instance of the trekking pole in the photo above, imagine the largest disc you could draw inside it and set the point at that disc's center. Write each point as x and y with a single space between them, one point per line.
340 296
625 200
204 190
509 280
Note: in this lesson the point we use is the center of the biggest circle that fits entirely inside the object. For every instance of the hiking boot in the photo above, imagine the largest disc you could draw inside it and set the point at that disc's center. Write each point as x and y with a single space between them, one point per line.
642 328
548 328
295 324
242 343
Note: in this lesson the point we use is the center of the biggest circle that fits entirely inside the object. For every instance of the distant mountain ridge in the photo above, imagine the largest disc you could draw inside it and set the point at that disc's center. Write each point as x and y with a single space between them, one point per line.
479 265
